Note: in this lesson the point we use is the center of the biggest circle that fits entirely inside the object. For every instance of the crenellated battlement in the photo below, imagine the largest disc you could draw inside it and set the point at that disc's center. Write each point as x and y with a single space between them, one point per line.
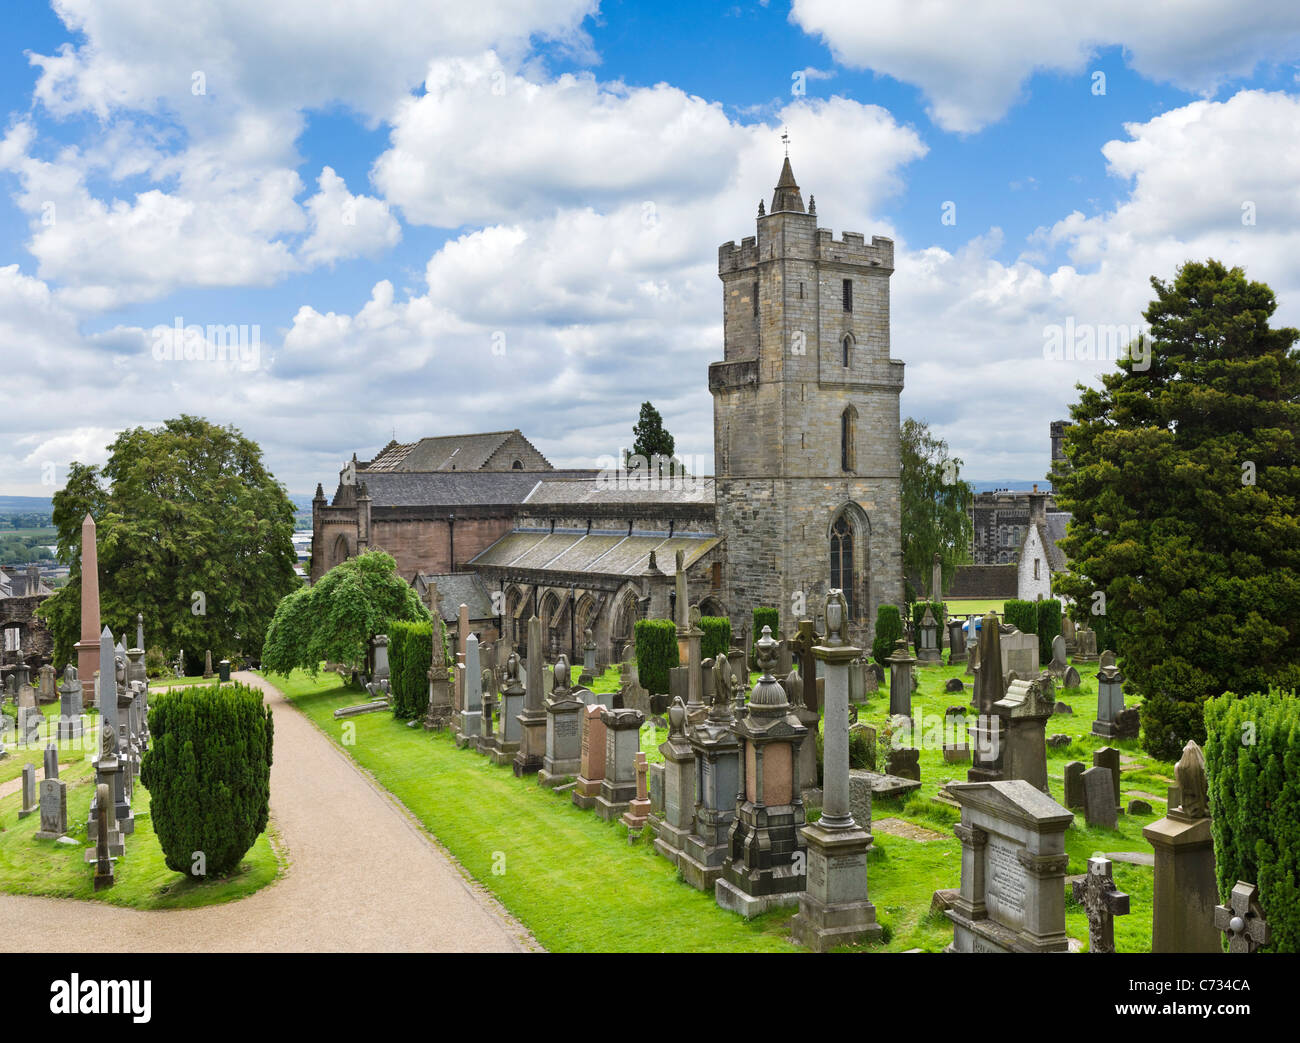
732 258
854 249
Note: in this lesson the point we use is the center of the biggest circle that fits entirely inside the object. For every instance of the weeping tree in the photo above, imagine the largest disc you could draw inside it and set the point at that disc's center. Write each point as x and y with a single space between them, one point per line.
935 506
335 618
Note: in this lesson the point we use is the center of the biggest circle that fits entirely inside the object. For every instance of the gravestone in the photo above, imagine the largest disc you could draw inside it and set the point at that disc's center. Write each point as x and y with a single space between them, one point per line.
29 792
1085 646
54 809
809 720
622 741
956 641
1102 901
1019 653
588 675
470 723
764 865
655 774
928 650
1242 919
954 684
1012 896
46 693
207 664
1186 890
51 761
1074 784
717 785
676 822
1024 712
1059 665
1110 697
223 671
563 757
103 841
440 711
1099 799
591 768
1071 678
1108 757
532 719
900 681
638 809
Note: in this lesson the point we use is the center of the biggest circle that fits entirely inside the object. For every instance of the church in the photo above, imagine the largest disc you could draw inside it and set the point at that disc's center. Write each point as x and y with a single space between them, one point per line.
805 496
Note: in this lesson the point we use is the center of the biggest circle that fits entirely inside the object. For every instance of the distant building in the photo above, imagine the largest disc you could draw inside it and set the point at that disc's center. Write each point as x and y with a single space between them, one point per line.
21 591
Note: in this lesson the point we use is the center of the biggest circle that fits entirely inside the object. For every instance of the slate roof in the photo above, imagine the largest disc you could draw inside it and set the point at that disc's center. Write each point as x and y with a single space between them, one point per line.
597 553
442 453
456 589
594 491
1051 532
446 488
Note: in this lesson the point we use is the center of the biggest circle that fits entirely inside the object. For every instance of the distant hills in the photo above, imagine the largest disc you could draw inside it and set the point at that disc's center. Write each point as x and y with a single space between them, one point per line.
45 505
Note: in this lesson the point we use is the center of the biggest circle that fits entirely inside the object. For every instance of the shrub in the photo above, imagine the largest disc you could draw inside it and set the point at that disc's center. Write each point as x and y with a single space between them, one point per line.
410 652
656 653
918 614
208 772
1252 758
763 617
1049 627
155 663
1023 615
1168 723
889 628
717 636
862 749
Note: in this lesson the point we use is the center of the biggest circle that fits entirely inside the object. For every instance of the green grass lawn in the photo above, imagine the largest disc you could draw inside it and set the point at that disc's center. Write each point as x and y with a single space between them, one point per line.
47 867
143 881
545 860
973 605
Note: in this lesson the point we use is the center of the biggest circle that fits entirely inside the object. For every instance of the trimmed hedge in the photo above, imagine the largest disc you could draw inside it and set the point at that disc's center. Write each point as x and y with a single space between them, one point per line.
656 653
918 614
1049 627
1023 615
889 628
717 636
410 653
1252 758
764 616
1168 723
208 773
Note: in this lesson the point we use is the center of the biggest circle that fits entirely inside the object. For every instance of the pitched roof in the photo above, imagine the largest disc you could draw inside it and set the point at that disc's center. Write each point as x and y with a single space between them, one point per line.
596 491
444 452
456 589
447 488
597 553
1053 531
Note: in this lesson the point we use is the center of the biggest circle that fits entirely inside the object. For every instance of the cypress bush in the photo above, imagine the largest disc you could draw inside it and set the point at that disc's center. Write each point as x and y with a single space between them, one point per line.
656 653
889 628
764 616
918 614
208 773
717 636
1049 627
1023 615
410 651
1252 758
1168 723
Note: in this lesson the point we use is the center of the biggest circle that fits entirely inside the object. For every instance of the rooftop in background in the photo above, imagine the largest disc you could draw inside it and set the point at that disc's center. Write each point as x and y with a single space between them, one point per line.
488 451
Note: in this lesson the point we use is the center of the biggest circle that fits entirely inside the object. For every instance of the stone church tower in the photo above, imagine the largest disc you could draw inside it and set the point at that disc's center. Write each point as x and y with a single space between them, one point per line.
806 418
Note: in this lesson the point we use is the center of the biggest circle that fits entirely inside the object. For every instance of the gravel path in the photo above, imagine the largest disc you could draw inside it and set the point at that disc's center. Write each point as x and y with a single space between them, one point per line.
362 877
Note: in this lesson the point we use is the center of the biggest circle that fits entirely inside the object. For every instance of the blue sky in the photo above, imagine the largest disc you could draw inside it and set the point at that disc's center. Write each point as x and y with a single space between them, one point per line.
507 195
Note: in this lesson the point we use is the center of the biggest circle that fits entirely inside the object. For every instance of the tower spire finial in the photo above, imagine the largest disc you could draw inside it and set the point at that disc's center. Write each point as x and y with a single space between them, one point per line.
785 140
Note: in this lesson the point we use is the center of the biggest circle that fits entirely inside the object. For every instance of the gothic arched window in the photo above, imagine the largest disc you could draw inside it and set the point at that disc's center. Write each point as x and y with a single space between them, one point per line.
847 345
842 561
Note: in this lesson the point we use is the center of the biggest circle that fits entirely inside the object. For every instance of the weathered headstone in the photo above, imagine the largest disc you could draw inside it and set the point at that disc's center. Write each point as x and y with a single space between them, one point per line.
51 761
622 741
1085 646
764 867
1024 711
207 664
638 809
29 791
46 692
1099 799
591 770
1108 757
1074 784
1102 901
928 649
1186 890
900 681
1242 919
471 717
1012 896
1019 653
439 713
588 675
809 720
103 831
563 756
54 809
1110 697
1071 678
956 641
532 720
675 824
1059 664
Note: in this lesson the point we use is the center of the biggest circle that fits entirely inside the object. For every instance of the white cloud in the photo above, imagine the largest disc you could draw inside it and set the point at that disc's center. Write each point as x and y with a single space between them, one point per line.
972 58
344 225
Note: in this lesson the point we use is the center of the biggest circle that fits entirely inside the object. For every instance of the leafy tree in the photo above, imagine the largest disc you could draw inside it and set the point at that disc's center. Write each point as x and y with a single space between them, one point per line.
193 531
335 618
935 508
650 439
1184 484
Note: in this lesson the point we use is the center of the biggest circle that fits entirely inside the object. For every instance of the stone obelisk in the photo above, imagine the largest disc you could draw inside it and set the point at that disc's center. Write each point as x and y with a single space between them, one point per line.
88 646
